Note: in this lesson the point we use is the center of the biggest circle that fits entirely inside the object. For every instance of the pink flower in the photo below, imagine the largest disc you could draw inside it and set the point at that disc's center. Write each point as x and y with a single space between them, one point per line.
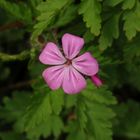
68 69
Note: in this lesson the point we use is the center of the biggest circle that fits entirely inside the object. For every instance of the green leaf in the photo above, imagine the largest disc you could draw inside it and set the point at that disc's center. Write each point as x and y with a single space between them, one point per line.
77 135
128 4
48 10
131 54
20 11
100 95
88 8
100 121
51 125
128 114
66 16
70 101
13 108
37 111
131 27
113 2
99 114
88 36
39 118
132 51
11 135
109 32
57 100
57 125
81 112
93 115
42 129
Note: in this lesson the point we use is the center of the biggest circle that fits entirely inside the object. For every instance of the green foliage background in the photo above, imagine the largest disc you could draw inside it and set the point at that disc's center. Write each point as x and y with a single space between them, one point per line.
29 110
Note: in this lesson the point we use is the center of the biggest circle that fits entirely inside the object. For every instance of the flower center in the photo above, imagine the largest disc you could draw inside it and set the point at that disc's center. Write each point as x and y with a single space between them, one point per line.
69 62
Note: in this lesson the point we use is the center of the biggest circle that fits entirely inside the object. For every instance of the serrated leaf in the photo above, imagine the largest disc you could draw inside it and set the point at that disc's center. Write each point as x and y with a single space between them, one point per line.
100 95
37 111
109 32
131 27
100 121
81 112
42 129
53 124
57 125
99 115
93 114
48 10
91 9
57 100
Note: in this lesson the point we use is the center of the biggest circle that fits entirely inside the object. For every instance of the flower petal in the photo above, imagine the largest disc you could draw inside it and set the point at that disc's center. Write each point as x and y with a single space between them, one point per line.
51 55
86 64
73 81
71 45
54 76
96 80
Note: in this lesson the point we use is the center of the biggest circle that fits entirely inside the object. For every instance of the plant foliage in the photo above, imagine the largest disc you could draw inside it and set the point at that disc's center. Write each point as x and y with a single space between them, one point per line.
29 110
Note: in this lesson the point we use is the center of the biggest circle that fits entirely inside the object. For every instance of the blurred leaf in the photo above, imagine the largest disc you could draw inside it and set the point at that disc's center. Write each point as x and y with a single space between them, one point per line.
11 136
5 72
113 2
20 11
88 36
128 123
131 54
14 107
76 135
128 4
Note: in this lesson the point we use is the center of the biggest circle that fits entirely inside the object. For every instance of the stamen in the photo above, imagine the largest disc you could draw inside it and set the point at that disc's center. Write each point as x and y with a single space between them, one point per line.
69 62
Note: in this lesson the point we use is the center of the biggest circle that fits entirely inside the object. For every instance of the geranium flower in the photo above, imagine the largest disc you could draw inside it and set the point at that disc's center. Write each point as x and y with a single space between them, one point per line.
68 68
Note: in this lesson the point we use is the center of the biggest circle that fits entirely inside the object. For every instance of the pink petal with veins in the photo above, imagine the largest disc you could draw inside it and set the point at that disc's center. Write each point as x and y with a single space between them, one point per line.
73 81
51 55
86 64
71 45
54 76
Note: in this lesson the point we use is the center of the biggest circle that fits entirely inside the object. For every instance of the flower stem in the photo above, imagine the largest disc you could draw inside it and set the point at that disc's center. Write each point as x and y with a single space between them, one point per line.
21 56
